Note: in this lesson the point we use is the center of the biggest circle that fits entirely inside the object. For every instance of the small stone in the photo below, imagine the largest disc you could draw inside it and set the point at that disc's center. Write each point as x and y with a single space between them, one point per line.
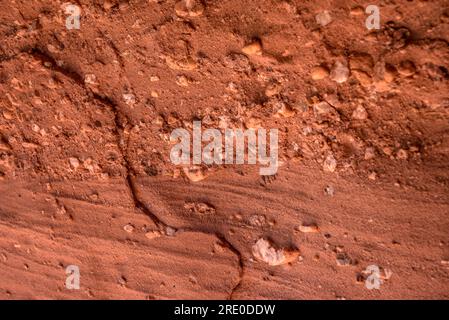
264 251
360 113
254 48
406 68
194 173
237 62
339 72
232 87
29 145
189 8
107 5
257 220
154 78
129 98
312 228
128 228
186 64
329 190
90 78
372 176
200 208
387 151
90 165
323 18
272 90
237 216
402 154
319 73
182 81
322 108
285 111
74 163
35 128
369 153
152 235
330 164
169 231
357 11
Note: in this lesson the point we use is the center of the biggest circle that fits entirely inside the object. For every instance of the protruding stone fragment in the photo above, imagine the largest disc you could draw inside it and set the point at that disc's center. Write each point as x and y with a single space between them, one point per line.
323 18
194 173
130 99
200 208
322 108
369 153
339 72
169 231
254 48
309 228
74 163
319 73
330 164
91 79
357 11
285 111
273 89
264 251
402 154
152 235
182 81
186 64
372 176
128 228
329 190
360 113
189 8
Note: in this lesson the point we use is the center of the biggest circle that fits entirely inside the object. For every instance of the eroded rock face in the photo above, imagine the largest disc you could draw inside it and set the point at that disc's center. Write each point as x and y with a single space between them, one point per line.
67 133
264 251
85 121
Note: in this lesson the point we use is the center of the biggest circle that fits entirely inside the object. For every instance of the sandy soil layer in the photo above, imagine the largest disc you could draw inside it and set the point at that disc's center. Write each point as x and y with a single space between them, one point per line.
85 171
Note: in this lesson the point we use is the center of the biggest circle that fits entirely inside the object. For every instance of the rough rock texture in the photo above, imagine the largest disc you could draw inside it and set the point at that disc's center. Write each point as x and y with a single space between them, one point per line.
85 171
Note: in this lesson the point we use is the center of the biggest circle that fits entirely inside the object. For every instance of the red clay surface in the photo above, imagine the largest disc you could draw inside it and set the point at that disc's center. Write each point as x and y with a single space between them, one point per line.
86 178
